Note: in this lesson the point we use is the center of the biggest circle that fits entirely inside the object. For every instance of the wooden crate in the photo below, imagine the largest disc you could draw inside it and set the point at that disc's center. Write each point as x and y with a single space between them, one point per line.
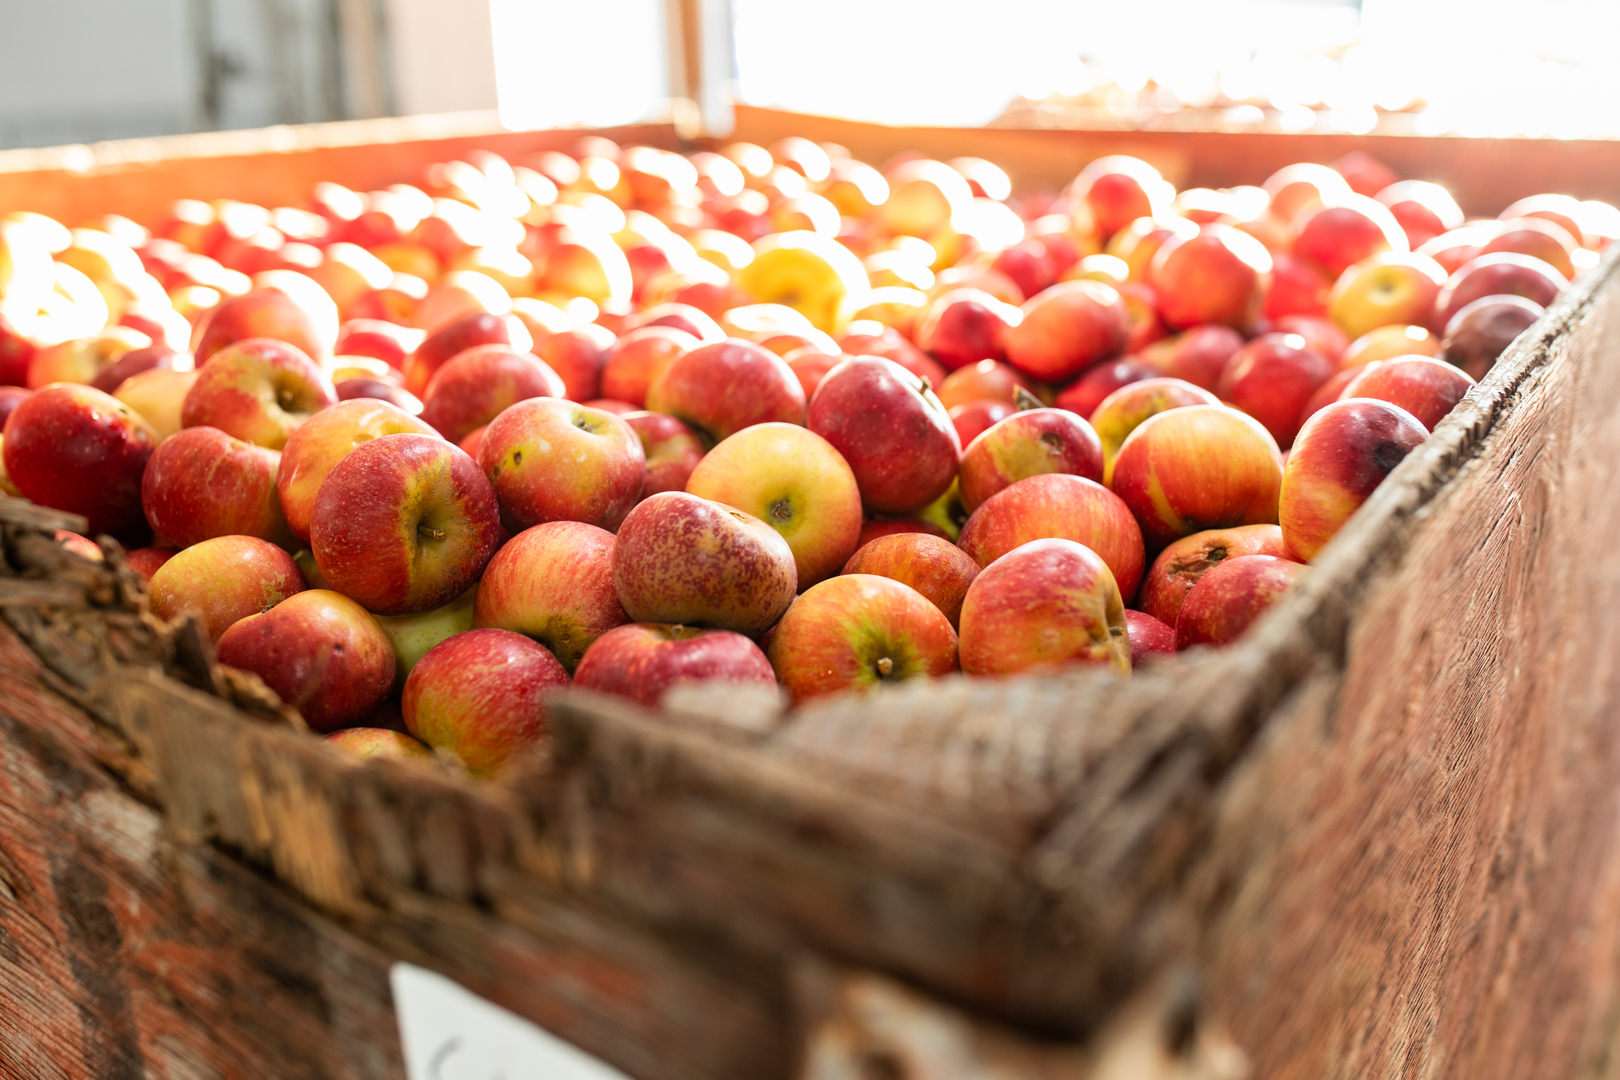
1378 837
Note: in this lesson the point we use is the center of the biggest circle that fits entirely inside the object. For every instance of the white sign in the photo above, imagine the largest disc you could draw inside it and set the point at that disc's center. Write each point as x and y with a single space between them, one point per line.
450 1033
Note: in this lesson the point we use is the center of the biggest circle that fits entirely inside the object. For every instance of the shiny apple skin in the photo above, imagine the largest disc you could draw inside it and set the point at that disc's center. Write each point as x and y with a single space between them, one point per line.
1341 456
222 580
1231 597
1067 328
859 631
549 459
1060 506
672 451
481 695
722 388
684 559
1217 276
553 583
1427 388
201 483
1150 639
74 448
1503 273
1196 468
477 385
631 364
326 439
1179 566
1271 378
478 328
404 524
1125 410
640 661
1047 604
892 430
261 313
1032 442
259 390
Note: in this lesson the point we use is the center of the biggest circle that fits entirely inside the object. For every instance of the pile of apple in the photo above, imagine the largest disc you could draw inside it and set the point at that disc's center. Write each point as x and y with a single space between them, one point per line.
624 419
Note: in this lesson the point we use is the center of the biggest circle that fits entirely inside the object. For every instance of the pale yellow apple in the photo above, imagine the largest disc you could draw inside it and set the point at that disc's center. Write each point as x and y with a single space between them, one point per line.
811 273
157 395
413 635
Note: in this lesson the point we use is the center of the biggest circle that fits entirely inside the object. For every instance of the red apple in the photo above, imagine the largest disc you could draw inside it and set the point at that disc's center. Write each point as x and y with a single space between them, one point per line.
972 417
1562 210
1123 411
1231 597
1459 246
385 341
1048 604
16 353
1296 288
146 561
201 483
1427 388
638 358
10 398
1482 330
1029 264
1328 392
1217 276
74 448
1141 315
151 358
1423 210
378 390
1101 379
810 365
477 385
1539 238
1032 442
932 565
880 527
1149 638
682 559
1271 378
864 337
404 524
261 313
554 460
1354 228
795 481
1067 328
1118 189
964 326
1388 342
642 660
1179 566
223 580
1343 453
321 652
722 388
1140 241
553 583
1320 333
672 449
1198 355
478 328
577 357
985 381
482 695
327 438
1396 287
81 360
859 631
1304 186
1058 505
891 429
1500 274
1365 174
258 390
1196 468
685 317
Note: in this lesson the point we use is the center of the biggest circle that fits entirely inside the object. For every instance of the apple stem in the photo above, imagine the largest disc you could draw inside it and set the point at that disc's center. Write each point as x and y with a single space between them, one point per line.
427 532
885 667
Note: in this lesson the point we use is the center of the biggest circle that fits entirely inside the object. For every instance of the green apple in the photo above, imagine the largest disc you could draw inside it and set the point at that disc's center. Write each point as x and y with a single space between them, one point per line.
413 635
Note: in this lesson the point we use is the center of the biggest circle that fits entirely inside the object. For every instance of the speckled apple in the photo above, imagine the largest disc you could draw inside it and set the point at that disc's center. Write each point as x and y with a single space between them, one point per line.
1047 604
1058 505
1227 600
326 439
478 384
932 565
553 583
1179 566
1032 442
640 661
549 459
77 449
259 390
222 580
201 483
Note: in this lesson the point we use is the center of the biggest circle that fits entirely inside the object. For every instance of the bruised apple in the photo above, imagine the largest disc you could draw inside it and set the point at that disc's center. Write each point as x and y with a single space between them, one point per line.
1179 566
1231 597
549 459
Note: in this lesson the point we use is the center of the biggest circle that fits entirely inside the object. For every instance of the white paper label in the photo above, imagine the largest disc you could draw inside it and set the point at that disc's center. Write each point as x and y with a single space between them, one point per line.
450 1033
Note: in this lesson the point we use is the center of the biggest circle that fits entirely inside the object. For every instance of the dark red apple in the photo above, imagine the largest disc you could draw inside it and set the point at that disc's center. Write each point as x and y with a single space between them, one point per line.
641 661
1271 378
1231 597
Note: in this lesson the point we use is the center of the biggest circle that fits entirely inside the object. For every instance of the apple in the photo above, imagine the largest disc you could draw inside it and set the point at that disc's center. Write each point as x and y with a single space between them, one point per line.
370 742
1562 210
456 295
1140 241
1329 392
1387 342
1294 189
145 561
1198 355
1296 287
478 328
923 196
1217 276
1196 468
930 564
549 459
378 390
223 580
349 272
384 341
553 583
1029 264
1231 597
880 527
640 661
1319 332
202 483
1123 411
972 417
683 559
892 431
1539 238
476 385
403 524
80 360
859 631
327 438
1459 246
577 356
261 313
1047 604
74 448
794 480
672 450
1117 190
810 365
1423 210
10 398
686 317
1058 505
1149 638
987 380
807 271
1031 442
413 635
132 363
258 390
1393 288
726 387
1179 566
1067 328
1101 379
1427 388
1271 378
632 364
1352 229
482 696
1365 174
1483 329
867 338
1343 453
1503 273
964 326
17 351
